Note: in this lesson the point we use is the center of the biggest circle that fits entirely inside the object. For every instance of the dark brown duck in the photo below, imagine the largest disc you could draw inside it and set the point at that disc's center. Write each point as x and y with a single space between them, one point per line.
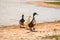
31 24
21 22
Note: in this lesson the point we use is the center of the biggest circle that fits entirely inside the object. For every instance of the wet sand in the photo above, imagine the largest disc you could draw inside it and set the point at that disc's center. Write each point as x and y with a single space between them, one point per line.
38 3
14 32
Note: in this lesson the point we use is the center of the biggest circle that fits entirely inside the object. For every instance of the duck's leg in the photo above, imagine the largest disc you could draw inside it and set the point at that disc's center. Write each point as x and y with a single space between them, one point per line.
32 29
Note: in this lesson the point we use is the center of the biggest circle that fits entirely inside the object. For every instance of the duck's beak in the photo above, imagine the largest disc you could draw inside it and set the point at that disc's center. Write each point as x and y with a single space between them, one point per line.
36 14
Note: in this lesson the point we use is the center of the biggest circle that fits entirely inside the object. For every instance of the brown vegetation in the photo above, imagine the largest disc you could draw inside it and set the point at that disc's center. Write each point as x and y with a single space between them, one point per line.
38 3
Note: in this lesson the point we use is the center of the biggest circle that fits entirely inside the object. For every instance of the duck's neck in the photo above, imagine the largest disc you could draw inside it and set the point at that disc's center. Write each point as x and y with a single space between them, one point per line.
22 17
33 19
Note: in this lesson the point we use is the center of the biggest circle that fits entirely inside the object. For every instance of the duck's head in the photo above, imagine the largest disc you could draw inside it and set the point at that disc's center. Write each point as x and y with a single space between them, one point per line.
22 15
35 14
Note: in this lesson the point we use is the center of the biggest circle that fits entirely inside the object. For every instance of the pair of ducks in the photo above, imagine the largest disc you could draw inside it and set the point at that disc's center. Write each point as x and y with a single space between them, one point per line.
28 24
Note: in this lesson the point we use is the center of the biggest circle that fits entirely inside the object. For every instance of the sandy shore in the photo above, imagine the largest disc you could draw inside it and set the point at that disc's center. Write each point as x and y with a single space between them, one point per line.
17 33
44 4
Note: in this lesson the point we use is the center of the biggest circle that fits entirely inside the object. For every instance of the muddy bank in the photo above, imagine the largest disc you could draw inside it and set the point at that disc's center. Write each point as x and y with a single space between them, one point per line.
44 4
43 29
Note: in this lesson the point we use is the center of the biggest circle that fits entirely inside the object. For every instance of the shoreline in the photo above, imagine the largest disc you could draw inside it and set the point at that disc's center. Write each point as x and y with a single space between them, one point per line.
38 3
37 24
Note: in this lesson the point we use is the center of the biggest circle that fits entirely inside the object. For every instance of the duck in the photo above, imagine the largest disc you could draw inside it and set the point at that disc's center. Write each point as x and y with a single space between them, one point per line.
27 22
31 24
21 21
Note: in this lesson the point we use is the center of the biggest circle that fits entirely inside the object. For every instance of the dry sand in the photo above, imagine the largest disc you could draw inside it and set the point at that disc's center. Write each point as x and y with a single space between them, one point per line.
43 29
38 3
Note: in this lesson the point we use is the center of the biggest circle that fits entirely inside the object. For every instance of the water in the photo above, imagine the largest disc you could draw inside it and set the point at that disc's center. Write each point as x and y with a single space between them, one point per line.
11 11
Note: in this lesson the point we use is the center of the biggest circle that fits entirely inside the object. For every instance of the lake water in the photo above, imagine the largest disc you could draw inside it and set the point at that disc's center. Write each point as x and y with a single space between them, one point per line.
10 12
